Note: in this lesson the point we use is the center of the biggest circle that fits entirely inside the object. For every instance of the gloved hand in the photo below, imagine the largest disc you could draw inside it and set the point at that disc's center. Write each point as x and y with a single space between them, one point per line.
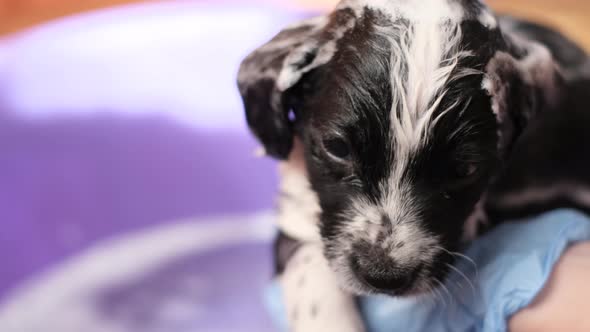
500 274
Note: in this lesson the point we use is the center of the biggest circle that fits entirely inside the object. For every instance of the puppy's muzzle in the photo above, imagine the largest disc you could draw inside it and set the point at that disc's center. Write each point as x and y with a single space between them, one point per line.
373 266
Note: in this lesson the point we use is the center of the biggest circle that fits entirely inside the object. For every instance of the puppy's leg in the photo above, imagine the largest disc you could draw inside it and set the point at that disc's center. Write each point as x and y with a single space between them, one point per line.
313 299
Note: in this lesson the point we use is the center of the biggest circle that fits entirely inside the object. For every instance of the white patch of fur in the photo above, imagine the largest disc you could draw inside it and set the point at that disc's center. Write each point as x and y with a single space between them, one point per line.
495 88
365 221
313 299
419 245
488 19
290 74
257 65
431 53
299 208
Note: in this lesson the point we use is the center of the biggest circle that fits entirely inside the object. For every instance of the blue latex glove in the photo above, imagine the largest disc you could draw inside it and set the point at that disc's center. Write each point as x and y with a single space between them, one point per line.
513 263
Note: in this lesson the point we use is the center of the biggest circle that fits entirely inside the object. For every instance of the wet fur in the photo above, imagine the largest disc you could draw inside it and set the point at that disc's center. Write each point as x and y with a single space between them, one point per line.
388 217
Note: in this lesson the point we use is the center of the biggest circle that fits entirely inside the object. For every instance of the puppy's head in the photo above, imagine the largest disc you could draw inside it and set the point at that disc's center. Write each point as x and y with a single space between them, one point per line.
405 110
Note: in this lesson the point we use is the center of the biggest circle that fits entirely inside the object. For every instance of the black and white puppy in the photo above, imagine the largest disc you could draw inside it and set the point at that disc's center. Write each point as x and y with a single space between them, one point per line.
393 117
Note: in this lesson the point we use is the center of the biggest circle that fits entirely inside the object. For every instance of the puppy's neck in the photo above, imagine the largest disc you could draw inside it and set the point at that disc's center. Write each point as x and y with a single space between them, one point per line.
299 207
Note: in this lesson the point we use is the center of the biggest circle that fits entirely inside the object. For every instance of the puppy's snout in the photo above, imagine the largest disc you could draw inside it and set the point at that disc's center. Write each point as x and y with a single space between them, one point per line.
373 266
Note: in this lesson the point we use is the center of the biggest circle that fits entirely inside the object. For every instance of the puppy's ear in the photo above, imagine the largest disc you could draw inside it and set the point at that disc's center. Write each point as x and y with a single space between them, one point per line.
523 80
267 77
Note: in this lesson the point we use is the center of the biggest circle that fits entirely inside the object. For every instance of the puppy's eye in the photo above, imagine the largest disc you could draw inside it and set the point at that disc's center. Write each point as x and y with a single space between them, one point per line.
337 147
465 170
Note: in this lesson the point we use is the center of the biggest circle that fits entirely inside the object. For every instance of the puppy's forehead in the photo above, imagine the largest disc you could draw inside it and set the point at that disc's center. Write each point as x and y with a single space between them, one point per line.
399 58
397 73
426 10
408 53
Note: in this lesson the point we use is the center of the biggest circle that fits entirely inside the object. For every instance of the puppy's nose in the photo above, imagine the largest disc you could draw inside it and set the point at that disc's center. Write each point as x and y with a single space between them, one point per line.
374 267
386 282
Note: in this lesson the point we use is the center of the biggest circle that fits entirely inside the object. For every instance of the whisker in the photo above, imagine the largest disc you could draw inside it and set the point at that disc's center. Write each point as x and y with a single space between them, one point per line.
470 260
460 255
464 277
438 296
445 289
428 296
457 283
